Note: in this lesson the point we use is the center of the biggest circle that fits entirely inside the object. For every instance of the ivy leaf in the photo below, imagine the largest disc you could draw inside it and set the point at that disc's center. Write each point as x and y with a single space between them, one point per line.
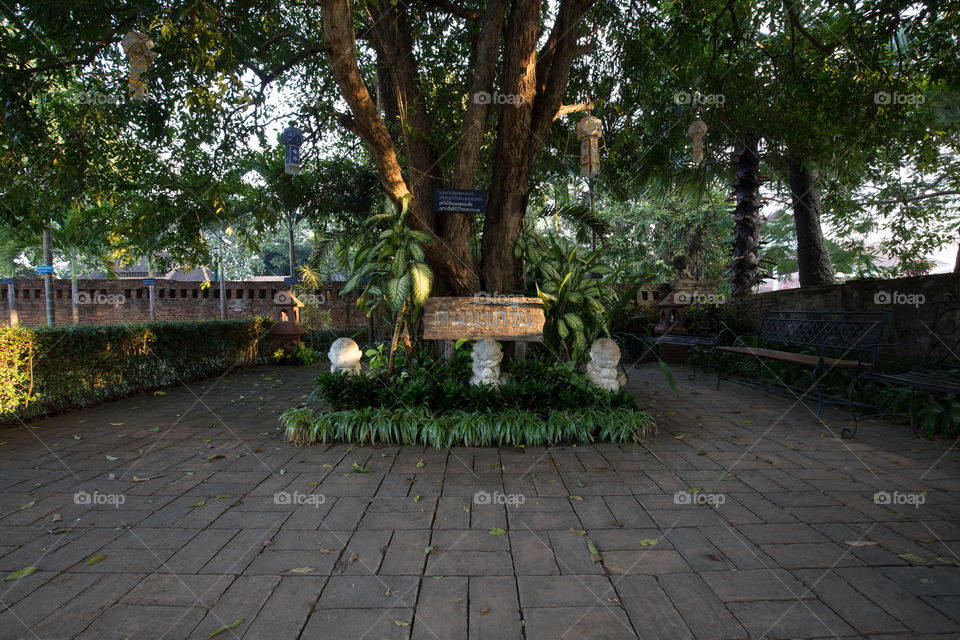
23 573
226 627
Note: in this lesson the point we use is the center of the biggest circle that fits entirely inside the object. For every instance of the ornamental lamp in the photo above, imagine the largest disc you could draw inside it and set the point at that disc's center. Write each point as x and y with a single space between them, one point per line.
696 131
588 133
292 139
138 47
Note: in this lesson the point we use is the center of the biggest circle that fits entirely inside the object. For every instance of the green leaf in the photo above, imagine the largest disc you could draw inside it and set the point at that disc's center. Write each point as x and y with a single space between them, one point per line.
428 550
112 458
668 374
226 627
422 278
594 552
397 290
94 560
22 573
497 531
199 504
358 469
302 570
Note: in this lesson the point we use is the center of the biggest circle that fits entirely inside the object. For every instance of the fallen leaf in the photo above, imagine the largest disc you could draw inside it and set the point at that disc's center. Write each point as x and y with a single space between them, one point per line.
420 463
484 612
327 465
580 484
199 504
163 393
94 560
359 469
313 483
112 458
648 542
497 531
22 573
579 532
214 458
575 497
714 557
226 627
76 437
116 424
57 517
283 472
860 543
144 479
154 429
121 435
594 552
324 550
909 557
401 623
617 523
28 505
944 560
222 497
428 550
302 570
416 498
681 436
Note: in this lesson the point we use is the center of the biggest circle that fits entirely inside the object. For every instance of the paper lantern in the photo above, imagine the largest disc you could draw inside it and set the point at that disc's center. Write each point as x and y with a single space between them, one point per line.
697 131
138 47
588 133
292 139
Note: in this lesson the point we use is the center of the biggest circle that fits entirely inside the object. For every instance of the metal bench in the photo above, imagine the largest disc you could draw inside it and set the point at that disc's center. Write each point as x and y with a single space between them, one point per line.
822 340
939 368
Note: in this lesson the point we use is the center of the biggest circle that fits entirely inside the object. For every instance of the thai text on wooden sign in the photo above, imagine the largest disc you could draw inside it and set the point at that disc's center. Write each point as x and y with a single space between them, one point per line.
520 319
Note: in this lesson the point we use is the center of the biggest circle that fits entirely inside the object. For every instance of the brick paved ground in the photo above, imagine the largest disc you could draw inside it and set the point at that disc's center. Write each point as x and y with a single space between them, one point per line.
787 542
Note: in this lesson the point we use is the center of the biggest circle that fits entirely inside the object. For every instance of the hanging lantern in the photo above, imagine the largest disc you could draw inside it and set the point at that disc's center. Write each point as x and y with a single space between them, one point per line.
138 47
697 131
588 133
292 139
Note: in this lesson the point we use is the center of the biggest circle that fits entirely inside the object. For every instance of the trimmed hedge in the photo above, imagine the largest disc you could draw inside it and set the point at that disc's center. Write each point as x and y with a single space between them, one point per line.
49 370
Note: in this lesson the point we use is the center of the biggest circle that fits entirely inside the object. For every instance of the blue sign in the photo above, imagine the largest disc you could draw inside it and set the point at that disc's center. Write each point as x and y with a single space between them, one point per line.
291 279
6 281
149 281
460 200
44 269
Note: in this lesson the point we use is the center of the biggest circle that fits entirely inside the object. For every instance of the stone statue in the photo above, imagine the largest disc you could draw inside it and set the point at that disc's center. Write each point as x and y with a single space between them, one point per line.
345 355
602 368
486 363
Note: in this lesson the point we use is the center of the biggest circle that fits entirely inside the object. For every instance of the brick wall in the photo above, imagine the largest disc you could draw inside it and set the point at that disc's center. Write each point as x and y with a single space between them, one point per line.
115 301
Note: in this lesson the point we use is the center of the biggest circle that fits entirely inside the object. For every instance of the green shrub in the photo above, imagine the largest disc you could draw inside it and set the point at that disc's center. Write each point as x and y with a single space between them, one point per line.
47 370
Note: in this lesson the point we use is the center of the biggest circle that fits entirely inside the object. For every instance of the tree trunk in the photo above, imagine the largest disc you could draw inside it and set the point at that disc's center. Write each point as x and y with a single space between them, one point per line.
956 265
220 277
48 277
537 79
813 258
12 294
151 289
746 274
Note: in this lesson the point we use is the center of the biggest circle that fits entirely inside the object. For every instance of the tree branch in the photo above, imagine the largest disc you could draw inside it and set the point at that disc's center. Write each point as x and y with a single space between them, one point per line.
572 108
453 9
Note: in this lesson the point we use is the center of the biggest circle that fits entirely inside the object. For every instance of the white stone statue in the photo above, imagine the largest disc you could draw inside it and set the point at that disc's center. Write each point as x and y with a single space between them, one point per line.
602 368
486 363
345 355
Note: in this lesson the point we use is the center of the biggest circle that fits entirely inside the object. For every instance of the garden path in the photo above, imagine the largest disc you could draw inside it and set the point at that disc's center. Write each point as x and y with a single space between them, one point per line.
743 518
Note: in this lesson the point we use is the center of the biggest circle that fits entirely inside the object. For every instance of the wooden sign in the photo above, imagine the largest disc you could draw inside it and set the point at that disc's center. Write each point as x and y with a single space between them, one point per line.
519 319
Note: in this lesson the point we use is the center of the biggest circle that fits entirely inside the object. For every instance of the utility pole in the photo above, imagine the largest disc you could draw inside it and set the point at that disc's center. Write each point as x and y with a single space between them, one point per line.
223 291
48 277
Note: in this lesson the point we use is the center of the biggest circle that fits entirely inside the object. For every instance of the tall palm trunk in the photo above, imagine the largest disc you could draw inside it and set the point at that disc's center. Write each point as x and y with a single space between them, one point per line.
746 274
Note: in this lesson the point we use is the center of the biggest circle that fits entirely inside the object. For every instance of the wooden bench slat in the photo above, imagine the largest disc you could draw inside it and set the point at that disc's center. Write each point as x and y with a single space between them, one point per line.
787 356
